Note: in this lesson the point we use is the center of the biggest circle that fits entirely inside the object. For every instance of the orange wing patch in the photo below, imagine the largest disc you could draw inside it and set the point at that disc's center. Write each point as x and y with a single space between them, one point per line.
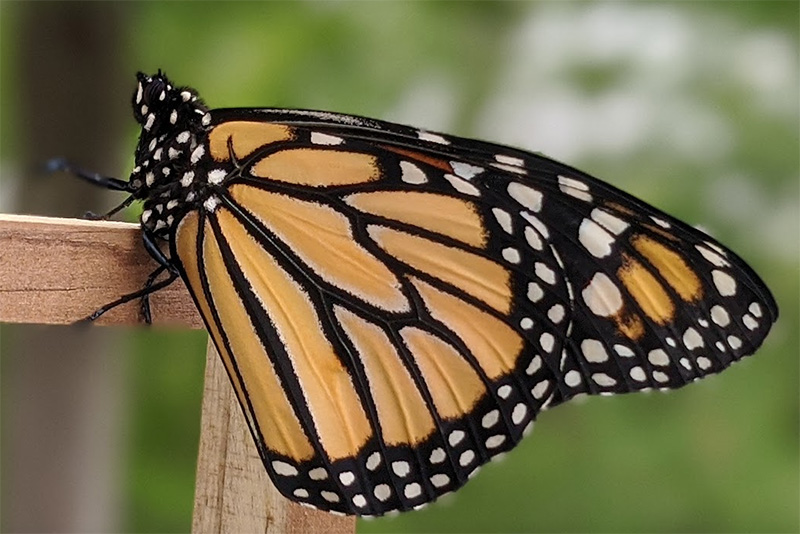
484 279
323 239
646 290
404 417
335 406
441 214
270 406
494 344
453 383
245 137
671 266
318 167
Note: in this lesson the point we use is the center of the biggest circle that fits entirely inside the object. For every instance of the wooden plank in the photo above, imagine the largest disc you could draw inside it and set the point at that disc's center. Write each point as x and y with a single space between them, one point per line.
57 271
233 492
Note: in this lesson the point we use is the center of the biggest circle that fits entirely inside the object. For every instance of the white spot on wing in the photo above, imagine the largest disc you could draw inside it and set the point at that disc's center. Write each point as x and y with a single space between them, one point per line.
594 351
509 160
411 174
461 185
724 282
432 137
595 238
503 219
525 196
602 296
319 138
465 170
612 223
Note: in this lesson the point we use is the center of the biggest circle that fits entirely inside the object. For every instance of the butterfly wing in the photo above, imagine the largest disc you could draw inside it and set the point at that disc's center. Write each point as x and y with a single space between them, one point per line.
395 307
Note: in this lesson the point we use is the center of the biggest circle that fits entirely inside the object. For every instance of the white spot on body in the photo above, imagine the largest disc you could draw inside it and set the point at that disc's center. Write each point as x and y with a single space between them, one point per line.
602 296
206 120
149 179
197 153
216 176
149 123
146 214
187 178
139 93
526 196
173 117
173 153
211 204
182 137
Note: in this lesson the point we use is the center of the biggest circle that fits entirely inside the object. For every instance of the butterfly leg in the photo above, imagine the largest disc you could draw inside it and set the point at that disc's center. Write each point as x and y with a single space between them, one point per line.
150 286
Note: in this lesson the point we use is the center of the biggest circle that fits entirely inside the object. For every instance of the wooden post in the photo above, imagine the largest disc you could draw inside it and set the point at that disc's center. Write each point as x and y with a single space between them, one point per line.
57 271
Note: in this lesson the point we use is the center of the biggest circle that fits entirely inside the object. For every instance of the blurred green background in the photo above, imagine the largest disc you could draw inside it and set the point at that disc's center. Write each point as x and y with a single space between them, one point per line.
691 106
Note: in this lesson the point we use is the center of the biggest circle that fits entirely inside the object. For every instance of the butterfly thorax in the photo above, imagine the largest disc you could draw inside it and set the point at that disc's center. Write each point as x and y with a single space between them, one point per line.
174 122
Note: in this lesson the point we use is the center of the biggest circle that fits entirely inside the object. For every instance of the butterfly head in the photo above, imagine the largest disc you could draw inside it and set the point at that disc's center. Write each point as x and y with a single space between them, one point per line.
173 121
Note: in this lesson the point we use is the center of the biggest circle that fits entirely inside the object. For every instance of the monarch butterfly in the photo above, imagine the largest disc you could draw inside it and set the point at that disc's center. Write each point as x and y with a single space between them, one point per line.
395 306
